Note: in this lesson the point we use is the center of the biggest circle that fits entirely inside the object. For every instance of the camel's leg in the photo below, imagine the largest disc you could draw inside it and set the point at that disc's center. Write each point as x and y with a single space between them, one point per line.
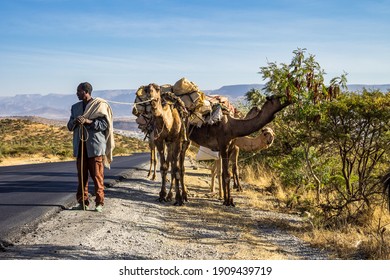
164 165
170 193
228 200
184 148
172 182
154 148
236 180
175 157
150 162
219 174
216 171
213 173
153 163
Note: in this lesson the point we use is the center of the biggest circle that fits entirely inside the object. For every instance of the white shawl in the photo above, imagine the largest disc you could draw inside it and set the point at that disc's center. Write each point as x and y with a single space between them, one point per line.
99 107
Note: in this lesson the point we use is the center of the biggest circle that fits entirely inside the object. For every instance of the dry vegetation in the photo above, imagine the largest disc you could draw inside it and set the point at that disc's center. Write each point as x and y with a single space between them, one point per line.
368 240
25 141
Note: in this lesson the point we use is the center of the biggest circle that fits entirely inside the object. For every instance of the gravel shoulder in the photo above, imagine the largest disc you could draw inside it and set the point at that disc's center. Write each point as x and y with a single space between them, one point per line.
134 225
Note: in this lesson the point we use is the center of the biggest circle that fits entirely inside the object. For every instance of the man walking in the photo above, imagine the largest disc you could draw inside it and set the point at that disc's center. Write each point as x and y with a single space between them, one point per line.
93 142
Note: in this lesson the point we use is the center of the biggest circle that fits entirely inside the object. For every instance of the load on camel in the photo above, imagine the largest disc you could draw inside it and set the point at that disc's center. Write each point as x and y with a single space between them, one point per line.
209 123
183 94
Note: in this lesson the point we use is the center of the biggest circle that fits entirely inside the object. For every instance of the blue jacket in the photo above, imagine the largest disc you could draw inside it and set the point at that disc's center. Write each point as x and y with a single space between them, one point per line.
95 143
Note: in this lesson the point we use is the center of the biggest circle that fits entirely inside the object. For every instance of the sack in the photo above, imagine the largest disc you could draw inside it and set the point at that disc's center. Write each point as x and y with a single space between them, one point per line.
215 116
206 154
166 88
224 102
192 100
196 119
140 106
205 108
184 86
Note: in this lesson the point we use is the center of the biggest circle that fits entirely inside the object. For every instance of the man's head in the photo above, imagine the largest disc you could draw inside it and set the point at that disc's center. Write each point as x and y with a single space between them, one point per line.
84 91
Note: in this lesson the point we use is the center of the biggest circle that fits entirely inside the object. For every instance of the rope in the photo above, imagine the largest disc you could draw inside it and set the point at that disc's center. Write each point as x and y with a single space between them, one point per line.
81 133
158 134
128 103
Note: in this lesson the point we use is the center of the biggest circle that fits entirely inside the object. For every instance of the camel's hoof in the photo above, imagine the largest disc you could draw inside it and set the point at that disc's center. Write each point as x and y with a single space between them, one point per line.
169 197
161 199
229 203
179 203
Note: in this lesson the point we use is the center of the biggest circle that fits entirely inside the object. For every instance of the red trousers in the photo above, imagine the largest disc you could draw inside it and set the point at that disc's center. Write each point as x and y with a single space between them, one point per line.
95 167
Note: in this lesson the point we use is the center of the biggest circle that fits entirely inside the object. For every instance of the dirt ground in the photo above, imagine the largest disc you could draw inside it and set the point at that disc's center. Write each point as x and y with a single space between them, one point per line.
134 225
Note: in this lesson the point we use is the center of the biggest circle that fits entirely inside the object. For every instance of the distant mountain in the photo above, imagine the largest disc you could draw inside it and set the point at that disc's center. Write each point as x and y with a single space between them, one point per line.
57 106
235 91
360 87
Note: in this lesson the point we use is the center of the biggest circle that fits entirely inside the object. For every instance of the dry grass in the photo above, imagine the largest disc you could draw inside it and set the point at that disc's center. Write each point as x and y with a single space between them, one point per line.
263 182
370 240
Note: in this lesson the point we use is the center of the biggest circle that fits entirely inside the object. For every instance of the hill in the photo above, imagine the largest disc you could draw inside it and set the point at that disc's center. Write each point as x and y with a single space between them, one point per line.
38 140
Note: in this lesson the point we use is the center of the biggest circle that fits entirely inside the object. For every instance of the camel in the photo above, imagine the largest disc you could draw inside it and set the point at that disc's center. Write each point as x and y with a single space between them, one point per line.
218 137
246 144
169 131
217 164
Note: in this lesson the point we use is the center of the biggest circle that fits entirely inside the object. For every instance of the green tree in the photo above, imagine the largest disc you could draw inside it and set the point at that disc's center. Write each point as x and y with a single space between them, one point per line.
301 83
355 128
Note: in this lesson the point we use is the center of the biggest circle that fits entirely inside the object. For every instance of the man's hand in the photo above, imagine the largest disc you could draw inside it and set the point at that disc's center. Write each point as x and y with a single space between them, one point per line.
83 120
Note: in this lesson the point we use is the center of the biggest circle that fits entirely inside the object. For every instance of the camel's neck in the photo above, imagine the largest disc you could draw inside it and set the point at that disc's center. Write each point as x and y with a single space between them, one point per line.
244 127
163 116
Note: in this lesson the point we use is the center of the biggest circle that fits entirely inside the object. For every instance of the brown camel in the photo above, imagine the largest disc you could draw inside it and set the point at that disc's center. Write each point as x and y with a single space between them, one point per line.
216 166
218 137
169 131
246 144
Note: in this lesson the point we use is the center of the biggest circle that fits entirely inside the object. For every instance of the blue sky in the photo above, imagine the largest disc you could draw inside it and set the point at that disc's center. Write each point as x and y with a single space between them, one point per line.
50 46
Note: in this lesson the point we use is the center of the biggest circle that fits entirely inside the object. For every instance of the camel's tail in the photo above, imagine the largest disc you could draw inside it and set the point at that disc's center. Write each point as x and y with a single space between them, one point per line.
386 190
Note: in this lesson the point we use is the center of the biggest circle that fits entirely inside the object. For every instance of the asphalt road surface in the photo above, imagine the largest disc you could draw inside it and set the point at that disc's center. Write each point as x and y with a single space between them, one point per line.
27 192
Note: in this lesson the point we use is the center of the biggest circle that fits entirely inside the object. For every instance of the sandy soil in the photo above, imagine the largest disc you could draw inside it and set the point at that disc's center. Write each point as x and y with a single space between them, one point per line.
134 225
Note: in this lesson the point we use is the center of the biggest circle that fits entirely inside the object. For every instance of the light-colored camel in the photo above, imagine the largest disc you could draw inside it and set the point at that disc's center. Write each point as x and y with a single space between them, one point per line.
218 137
247 144
169 131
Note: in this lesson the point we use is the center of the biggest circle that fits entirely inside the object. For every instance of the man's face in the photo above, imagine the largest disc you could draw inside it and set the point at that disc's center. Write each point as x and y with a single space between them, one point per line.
81 94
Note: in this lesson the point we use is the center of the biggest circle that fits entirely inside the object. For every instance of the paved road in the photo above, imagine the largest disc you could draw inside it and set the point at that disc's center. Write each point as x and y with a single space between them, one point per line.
27 192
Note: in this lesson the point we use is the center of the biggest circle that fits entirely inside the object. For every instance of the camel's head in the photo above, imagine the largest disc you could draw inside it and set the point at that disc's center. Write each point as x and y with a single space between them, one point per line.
269 135
153 90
